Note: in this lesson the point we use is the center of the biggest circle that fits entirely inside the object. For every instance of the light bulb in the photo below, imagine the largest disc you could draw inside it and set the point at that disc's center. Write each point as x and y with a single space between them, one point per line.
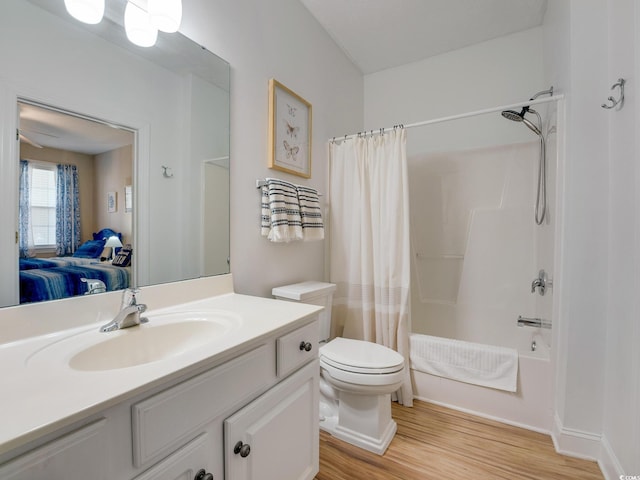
87 11
165 15
138 27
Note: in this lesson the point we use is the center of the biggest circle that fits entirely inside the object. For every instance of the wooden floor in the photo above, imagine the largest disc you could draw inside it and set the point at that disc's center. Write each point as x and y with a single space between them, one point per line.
434 442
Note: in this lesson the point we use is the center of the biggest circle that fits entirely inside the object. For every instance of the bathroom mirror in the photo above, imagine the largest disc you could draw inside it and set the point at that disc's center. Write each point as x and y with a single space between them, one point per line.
172 98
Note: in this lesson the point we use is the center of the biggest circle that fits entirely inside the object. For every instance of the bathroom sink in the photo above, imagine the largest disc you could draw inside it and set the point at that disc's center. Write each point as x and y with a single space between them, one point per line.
165 336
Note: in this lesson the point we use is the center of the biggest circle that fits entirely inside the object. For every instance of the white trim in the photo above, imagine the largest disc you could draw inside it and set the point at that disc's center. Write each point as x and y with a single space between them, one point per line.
575 443
608 462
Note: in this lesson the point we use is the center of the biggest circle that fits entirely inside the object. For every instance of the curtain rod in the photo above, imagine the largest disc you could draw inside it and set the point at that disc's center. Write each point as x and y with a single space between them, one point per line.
529 103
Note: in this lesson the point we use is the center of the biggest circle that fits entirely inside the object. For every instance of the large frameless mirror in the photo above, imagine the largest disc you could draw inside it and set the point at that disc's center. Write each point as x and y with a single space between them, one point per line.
145 133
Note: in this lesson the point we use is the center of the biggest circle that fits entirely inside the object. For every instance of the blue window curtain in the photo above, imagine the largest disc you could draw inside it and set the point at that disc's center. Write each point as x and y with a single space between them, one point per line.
25 237
67 210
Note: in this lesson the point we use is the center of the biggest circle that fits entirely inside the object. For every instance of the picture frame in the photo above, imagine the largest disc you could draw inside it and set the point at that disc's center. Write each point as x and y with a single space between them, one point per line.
112 202
128 199
290 131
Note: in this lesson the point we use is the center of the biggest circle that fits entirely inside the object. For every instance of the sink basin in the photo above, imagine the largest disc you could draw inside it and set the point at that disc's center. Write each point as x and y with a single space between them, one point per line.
166 336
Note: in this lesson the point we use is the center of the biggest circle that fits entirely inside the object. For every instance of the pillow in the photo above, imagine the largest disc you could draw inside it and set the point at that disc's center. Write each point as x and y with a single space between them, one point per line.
105 233
90 249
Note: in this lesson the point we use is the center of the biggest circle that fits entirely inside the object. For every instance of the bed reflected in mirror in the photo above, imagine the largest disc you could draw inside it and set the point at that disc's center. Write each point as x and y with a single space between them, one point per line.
72 218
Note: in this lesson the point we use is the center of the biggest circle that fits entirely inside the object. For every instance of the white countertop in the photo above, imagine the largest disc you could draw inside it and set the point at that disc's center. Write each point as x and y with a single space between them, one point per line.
38 397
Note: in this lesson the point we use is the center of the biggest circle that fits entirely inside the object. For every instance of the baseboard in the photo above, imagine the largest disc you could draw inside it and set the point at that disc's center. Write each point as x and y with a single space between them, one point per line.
575 443
484 415
608 462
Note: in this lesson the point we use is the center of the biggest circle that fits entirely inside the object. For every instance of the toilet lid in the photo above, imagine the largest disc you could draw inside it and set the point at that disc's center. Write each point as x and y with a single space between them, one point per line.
362 357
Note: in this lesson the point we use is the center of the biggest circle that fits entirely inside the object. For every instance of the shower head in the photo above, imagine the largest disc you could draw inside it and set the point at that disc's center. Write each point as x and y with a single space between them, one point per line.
519 117
513 115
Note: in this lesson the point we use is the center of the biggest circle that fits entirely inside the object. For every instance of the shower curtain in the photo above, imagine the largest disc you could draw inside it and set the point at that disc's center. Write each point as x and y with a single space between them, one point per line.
369 257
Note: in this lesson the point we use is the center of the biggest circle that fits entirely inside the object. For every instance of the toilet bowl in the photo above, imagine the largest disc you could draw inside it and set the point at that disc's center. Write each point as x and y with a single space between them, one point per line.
357 378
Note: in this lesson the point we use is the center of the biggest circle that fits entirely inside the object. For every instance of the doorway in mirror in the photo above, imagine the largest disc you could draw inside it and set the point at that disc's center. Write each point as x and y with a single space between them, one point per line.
73 173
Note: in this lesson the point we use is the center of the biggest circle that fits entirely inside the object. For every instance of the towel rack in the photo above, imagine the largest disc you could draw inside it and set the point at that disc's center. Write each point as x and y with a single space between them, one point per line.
263 183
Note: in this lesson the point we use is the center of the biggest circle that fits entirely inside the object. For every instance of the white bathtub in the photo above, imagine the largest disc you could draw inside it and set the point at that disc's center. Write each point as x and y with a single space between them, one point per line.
529 407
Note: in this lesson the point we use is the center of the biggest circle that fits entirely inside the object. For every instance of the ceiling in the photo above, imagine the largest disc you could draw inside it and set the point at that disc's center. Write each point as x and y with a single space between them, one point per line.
381 34
42 127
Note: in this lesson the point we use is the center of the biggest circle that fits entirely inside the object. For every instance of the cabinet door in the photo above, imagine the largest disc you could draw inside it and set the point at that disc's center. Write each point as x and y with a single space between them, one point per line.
183 464
280 429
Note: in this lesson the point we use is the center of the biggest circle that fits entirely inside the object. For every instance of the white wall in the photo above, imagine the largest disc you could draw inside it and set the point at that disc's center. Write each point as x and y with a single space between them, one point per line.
493 73
278 39
621 420
588 46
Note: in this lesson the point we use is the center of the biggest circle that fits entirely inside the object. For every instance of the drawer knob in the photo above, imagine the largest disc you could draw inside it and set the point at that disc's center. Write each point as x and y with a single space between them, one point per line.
242 448
203 475
306 346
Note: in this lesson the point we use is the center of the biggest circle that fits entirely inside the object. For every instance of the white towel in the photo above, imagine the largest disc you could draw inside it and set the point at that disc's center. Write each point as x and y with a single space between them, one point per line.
281 220
475 363
311 214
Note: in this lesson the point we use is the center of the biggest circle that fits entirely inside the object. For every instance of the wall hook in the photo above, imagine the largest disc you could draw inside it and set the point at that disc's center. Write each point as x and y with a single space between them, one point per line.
166 172
613 102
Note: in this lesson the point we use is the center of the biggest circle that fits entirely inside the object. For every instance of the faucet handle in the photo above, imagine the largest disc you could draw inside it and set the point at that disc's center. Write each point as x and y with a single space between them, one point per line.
129 297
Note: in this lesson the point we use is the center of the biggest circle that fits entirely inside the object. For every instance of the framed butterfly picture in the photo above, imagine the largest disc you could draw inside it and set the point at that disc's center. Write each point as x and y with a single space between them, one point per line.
289 131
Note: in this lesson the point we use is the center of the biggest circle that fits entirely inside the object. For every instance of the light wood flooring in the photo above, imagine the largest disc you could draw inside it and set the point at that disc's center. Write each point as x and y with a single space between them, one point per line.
434 442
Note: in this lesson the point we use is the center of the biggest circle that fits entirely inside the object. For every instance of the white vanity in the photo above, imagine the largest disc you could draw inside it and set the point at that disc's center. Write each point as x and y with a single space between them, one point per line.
238 398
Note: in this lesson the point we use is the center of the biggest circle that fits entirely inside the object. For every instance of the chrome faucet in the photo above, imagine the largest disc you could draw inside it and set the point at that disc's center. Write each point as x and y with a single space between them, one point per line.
129 315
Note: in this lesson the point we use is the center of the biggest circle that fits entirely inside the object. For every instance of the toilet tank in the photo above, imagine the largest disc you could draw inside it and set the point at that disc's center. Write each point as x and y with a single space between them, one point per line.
315 293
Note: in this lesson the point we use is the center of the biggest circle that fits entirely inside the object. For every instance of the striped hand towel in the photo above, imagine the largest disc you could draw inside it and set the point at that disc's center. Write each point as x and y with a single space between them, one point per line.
311 214
281 220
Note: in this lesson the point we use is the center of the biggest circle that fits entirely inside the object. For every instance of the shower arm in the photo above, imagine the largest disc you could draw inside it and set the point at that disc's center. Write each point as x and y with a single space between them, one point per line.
543 92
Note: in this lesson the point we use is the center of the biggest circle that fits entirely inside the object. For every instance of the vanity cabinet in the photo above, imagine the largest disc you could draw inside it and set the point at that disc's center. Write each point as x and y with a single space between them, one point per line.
276 436
264 394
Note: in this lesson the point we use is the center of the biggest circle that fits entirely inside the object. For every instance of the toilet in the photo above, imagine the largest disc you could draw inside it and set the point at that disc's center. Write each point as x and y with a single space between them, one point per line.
357 378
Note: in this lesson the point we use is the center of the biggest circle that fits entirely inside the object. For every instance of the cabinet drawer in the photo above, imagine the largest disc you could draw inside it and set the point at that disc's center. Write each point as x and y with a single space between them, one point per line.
167 420
290 354
184 463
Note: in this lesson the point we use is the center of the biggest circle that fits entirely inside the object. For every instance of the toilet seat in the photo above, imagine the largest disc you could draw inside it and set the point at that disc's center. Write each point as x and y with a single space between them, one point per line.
358 356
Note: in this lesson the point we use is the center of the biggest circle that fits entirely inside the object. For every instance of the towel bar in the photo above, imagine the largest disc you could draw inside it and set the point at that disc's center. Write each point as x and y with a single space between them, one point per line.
263 183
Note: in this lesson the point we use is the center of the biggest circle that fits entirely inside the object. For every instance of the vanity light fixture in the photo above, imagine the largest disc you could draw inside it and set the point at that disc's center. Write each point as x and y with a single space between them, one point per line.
142 18
87 11
165 15
138 26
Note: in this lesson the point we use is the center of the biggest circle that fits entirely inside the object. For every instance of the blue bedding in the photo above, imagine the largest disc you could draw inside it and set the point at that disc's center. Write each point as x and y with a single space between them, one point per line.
39 284
34 263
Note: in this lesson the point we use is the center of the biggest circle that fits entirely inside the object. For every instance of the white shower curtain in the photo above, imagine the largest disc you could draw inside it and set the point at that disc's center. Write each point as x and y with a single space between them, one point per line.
369 223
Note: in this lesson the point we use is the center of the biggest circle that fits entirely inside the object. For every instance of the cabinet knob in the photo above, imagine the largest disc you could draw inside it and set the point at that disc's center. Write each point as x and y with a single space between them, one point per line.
242 448
306 346
203 475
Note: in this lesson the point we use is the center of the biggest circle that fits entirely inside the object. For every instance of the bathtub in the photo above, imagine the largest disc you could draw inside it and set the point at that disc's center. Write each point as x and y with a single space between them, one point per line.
529 407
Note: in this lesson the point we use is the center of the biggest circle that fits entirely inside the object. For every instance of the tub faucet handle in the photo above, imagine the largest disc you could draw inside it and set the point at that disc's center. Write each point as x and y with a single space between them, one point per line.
541 283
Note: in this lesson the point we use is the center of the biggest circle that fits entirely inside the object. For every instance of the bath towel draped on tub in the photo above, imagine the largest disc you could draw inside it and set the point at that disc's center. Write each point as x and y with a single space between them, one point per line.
475 363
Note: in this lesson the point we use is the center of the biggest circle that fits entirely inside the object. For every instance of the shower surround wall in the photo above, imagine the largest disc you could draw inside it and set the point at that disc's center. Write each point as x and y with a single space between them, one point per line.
474 245
475 250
